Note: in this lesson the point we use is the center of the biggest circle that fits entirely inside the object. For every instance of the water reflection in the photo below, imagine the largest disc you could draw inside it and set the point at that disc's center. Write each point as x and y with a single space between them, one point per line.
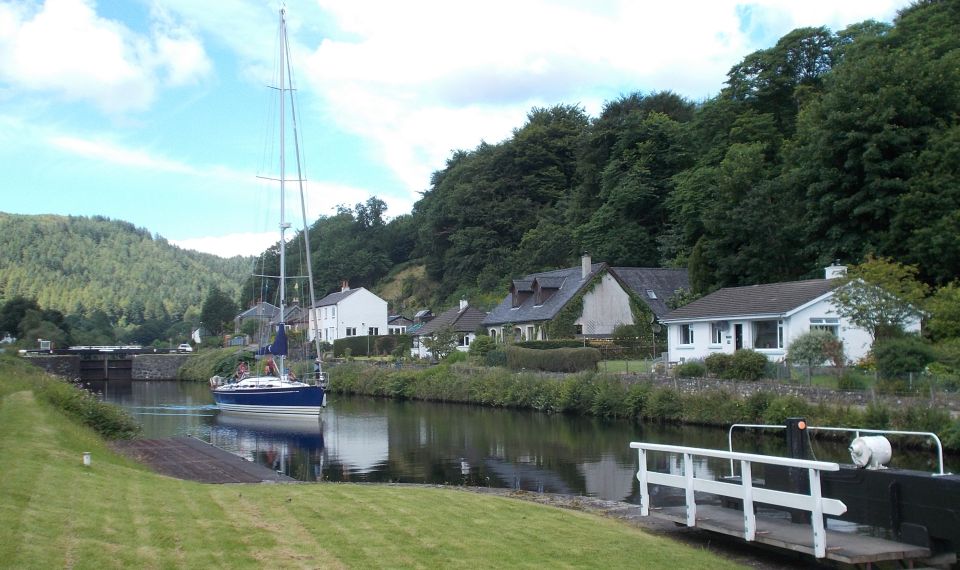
364 439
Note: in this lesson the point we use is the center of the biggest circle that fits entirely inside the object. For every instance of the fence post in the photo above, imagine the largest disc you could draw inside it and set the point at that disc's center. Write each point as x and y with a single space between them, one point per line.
749 517
691 500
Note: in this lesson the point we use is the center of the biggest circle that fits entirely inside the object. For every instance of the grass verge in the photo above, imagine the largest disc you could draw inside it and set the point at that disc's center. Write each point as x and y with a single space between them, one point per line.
116 514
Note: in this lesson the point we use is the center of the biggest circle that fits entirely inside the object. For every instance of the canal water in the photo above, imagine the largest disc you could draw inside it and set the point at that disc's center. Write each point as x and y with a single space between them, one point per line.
374 440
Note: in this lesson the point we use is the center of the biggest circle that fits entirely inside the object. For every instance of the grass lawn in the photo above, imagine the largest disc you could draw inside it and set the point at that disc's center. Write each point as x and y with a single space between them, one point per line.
56 513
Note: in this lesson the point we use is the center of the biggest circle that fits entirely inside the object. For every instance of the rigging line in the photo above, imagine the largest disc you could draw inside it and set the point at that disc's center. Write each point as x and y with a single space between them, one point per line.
303 212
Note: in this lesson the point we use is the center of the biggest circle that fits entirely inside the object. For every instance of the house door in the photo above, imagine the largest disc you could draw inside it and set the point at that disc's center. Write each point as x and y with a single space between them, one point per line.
738 336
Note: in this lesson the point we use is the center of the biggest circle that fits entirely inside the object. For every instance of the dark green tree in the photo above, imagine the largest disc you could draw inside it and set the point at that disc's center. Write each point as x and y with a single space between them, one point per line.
218 311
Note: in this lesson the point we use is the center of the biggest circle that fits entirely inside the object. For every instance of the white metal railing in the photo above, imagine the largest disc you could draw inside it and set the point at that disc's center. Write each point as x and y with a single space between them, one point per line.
814 503
855 431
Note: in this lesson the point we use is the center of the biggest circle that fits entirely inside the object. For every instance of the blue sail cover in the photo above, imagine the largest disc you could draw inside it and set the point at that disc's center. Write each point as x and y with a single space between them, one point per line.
279 345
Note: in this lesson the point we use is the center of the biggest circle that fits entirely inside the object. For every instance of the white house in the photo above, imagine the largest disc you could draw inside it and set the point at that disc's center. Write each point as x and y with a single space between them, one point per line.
463 320
348 312
765 318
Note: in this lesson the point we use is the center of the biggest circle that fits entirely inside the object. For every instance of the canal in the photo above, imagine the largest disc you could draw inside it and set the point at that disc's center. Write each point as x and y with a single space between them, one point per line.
372 440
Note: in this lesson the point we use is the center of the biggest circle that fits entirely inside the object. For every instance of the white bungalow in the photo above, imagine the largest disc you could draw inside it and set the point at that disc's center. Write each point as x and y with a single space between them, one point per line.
765 318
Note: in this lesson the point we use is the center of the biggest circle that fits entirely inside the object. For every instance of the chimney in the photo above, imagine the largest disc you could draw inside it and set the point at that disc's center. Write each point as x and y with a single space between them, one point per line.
344 285
835 270
463 304
585 265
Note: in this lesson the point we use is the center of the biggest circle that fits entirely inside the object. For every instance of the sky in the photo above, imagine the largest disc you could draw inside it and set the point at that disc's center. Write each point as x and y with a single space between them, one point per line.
158 112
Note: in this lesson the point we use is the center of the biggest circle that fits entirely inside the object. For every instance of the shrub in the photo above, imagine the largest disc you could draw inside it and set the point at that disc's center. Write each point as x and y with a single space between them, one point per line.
455 356
637 396
482 345
609 398
718 363
747 364
850 380
665 405
897 357
756 405
553 360
110 421
496 357
876 416
690 369
783 407
813 348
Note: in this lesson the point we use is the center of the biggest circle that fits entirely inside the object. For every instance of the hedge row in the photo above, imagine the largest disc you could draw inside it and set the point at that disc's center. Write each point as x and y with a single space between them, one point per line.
552 360
605 396
549 344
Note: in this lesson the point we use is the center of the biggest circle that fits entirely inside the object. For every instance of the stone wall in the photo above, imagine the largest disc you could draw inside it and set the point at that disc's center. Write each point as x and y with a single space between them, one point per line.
813 394
63 366
157 366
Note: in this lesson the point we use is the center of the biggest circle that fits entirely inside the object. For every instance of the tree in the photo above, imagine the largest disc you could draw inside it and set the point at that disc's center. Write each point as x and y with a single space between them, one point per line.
944 309
880 296
441 343
218 311
813 348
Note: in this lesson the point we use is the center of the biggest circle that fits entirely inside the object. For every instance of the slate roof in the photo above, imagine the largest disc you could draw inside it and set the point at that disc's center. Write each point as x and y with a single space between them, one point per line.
663 282
569 280
260 310
466 320
334 298
753 300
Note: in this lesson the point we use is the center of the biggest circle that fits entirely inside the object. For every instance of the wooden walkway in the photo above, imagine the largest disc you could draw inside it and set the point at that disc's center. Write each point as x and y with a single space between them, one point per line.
194 460
843 547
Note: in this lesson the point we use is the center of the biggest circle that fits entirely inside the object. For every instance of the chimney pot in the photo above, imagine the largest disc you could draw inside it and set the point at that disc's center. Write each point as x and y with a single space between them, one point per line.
586 265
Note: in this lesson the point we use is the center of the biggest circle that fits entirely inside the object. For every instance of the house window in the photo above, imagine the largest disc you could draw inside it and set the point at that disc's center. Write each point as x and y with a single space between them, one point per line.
463 340
530 333
686 334
829 324
416 342
373 331
333 311
351 331
716 333
768 334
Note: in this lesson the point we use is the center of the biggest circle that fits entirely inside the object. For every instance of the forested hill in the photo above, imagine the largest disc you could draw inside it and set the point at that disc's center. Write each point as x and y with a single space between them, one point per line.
827 145
80 265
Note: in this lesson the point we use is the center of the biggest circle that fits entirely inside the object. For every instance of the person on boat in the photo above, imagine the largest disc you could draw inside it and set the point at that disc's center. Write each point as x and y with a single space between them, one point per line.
291 375
270 368
242 370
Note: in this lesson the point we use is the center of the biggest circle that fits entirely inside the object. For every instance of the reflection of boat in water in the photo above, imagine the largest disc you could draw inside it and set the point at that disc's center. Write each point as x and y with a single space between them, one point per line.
290 445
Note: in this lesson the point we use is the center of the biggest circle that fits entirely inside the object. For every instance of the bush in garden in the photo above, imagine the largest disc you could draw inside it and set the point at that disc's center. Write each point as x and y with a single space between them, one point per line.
747 364
900 356
690 369
718 363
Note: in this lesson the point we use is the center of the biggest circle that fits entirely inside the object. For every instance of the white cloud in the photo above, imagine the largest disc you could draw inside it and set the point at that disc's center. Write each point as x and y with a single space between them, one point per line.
64 47
230 245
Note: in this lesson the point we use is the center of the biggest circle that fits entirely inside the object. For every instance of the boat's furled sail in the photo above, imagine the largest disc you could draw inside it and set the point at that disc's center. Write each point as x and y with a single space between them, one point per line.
279 345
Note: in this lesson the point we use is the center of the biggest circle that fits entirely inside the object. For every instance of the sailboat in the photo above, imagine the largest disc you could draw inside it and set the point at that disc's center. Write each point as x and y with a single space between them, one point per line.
277 392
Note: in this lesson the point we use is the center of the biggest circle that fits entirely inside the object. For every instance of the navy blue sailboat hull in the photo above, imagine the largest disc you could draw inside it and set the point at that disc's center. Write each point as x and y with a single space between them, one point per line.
296 400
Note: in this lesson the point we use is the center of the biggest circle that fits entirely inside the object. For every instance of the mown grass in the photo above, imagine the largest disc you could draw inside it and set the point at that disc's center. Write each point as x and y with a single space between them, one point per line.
56 513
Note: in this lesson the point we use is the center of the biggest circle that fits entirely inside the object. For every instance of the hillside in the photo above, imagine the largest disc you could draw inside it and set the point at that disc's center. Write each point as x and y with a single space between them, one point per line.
79 265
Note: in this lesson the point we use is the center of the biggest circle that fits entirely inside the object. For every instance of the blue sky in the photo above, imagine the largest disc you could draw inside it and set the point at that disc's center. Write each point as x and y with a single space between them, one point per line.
155 111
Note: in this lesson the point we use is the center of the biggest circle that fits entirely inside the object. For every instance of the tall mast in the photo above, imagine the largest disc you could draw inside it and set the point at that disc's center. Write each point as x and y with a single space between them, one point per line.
283 223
